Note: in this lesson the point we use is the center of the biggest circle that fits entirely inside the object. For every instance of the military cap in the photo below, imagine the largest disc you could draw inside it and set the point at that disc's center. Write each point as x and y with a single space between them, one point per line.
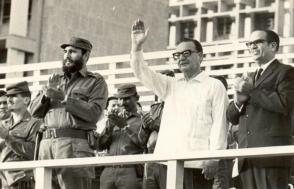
126 90
168 73
2 93
17 88
78 43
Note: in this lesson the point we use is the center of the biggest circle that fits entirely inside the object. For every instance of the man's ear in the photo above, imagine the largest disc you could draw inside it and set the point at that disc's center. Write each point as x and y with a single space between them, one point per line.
274 45
86 56
27 100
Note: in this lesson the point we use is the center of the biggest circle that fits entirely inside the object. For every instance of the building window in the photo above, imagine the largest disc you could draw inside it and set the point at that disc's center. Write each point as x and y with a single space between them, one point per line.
5 6
3 56
187 30
223 25
264 21
3 52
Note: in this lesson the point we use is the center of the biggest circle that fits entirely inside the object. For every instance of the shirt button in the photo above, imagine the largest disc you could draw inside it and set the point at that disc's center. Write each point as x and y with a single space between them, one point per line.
248 132
247 115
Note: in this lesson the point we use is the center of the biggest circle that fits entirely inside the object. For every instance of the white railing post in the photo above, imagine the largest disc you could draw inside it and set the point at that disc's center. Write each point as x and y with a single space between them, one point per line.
175 174
43 178
112 66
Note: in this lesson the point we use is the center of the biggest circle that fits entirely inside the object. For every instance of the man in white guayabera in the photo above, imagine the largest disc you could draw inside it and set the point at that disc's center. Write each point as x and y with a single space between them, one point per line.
194 116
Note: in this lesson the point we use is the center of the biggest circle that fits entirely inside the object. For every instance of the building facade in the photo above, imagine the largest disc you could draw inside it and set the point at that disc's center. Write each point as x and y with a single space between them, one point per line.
32 30
228 20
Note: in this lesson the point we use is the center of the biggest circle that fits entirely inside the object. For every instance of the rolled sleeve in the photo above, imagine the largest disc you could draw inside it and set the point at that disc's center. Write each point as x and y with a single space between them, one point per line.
158 83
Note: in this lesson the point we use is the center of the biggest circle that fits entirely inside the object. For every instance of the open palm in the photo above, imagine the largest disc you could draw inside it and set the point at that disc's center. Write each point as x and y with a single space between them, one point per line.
139 35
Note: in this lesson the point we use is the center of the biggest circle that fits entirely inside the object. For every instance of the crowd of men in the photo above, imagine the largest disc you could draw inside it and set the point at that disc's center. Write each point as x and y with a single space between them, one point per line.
73 117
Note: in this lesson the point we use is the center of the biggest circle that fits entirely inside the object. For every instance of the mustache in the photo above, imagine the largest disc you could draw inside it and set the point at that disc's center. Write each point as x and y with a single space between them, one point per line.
68 60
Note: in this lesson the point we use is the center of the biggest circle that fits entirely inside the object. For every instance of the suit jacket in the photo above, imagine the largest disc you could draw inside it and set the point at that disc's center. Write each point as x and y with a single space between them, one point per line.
265 119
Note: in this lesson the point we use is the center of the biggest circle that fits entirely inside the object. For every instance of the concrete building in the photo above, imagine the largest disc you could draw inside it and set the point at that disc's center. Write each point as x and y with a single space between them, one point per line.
32 30
228 20
216 23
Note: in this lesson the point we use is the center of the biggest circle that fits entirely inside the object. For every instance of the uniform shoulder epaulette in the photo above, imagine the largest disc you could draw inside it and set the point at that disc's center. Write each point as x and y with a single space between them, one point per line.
96 75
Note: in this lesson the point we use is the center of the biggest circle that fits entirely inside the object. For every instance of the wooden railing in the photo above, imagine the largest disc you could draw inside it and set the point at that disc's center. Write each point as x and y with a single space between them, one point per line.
228 59
175 162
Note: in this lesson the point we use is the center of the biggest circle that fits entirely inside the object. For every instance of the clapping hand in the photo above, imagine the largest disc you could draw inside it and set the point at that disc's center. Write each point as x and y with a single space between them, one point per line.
139 35
243 85
54 81
53 90
55 94
116 118
148 121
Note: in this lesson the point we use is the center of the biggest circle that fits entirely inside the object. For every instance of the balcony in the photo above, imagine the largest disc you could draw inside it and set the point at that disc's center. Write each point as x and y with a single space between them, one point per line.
175 163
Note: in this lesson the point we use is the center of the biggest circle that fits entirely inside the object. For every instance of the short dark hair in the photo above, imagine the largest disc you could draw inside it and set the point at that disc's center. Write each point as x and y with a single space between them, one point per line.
26 94
196 43
272 36
109 99
83 51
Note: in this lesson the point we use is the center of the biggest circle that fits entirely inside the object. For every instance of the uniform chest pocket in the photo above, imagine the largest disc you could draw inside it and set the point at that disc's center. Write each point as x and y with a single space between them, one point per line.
80 94
21 134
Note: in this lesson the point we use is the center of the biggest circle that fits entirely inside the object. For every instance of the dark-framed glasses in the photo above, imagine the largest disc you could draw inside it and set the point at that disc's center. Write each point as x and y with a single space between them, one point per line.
254 43
185 54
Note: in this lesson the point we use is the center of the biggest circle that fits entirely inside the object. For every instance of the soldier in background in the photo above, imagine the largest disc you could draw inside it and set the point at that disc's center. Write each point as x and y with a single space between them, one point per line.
18 132
120 137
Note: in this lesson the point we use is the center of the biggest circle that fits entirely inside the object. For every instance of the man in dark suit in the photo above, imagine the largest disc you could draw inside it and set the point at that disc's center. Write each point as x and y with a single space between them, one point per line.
262 108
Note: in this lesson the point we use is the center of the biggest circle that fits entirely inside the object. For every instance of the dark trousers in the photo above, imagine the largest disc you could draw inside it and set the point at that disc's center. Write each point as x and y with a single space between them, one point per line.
194 179
120 178
62 148
264 178
222 177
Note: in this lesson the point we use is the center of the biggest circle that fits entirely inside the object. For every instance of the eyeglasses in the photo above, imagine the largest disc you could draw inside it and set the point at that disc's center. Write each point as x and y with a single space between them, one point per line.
255 43
3 102
185 54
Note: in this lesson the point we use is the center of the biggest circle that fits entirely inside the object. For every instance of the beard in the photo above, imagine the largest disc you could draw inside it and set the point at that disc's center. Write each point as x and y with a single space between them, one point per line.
76 65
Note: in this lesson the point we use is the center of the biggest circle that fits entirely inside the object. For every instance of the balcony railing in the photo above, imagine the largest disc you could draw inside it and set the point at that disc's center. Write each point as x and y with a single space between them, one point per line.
175 162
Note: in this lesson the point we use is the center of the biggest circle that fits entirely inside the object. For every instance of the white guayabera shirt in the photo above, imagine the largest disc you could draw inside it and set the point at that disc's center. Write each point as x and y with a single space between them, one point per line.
194 115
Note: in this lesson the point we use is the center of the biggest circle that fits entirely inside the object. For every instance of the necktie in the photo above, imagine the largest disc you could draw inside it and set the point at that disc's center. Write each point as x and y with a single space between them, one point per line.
259 71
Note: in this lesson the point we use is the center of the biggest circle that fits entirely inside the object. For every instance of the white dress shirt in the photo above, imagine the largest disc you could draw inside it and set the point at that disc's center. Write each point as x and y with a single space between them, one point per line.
194 115
264 66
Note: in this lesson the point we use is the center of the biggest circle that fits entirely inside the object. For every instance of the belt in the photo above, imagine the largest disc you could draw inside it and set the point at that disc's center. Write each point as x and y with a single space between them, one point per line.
64 132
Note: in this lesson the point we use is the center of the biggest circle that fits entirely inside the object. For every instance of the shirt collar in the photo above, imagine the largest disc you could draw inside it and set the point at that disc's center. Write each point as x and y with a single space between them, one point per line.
198 78
264 66
26 117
